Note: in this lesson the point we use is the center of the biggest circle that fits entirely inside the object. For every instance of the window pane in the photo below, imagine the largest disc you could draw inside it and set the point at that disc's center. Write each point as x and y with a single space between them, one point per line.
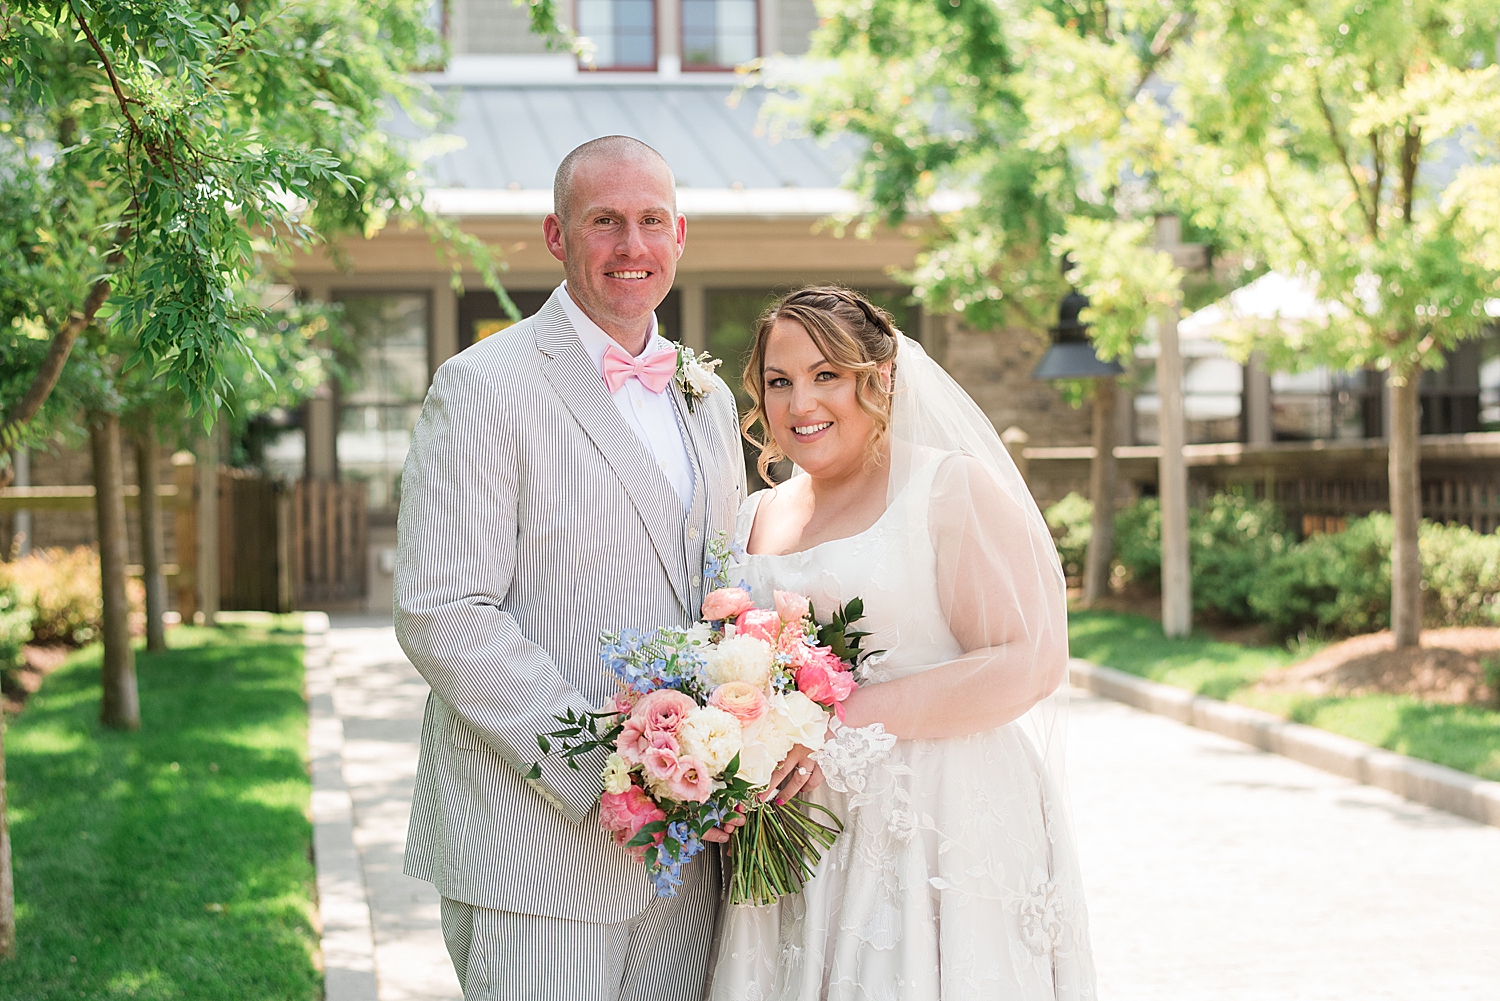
719 33
382 394
623 32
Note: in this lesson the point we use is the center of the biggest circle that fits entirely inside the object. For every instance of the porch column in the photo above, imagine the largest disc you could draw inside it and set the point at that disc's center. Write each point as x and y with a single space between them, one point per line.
694 313
442 339
1257 401
321 430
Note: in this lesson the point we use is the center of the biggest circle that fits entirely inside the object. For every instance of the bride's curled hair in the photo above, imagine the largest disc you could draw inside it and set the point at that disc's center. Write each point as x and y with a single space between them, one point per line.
854 335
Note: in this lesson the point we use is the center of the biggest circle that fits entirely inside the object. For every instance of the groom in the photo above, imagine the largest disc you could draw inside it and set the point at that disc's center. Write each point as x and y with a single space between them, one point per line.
559 486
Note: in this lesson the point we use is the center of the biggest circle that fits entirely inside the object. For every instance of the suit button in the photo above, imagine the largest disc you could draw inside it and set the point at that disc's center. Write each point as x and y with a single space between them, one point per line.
697 581
692 533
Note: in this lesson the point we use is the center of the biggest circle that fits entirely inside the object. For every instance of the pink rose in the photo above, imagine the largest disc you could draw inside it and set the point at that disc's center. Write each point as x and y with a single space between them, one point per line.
791 606
825 684
660 762
620 703
663 710
726 603
625 813
691 783
741 700
760 623
634 740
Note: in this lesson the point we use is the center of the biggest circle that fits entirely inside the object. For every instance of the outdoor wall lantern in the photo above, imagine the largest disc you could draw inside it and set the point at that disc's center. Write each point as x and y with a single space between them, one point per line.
1071 355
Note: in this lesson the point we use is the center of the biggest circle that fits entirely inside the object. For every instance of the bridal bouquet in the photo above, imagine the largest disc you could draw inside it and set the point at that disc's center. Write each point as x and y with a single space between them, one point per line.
702 719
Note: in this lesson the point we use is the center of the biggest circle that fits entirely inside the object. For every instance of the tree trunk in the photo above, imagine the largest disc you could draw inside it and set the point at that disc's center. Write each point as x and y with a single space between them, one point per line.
7 879
1406 508
1102 482
120 705
148 475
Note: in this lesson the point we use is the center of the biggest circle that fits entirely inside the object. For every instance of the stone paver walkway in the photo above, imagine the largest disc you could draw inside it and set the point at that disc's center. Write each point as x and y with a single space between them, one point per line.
1215 872
380 697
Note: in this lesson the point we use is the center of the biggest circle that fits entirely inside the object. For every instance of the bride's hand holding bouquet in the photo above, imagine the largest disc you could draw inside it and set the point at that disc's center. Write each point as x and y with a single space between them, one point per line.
707 722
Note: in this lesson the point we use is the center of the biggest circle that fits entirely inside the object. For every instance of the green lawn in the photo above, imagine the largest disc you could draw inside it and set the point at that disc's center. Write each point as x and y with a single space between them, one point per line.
173 862
1462 737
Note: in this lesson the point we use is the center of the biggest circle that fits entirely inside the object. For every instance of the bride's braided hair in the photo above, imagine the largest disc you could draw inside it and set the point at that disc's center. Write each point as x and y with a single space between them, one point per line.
853 334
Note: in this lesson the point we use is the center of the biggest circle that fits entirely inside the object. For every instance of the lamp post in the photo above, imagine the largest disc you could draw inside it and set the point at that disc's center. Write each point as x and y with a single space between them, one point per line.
1072 356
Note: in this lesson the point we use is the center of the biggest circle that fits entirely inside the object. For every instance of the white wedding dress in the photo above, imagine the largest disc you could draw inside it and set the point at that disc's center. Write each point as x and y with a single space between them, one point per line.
955 877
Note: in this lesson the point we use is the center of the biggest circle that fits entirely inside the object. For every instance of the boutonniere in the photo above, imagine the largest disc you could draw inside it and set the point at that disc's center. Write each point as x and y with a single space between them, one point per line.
695 374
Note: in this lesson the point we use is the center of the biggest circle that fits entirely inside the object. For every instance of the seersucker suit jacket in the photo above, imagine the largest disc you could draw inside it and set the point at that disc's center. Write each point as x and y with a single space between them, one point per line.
532 519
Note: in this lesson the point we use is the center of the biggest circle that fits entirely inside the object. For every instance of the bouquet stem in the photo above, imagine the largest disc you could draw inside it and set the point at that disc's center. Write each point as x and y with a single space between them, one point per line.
778 850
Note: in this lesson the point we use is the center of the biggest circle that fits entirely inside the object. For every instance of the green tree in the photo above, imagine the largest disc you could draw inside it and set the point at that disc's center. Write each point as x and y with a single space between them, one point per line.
154 154
1038 116
1355 143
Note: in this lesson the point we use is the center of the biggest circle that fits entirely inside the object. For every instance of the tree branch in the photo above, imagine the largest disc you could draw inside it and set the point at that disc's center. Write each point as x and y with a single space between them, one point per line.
1378 155
1411 153
1337 138
1176 24
109 68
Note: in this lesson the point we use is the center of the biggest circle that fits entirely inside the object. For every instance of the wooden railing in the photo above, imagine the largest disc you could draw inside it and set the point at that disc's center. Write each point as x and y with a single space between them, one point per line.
1318 484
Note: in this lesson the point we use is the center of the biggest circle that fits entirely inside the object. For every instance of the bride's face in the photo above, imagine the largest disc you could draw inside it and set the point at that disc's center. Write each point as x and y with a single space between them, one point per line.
811 406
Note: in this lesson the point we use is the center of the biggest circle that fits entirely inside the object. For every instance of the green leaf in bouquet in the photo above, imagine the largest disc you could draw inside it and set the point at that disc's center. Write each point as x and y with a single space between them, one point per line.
854 610
732 770
535 772
646 835
544 744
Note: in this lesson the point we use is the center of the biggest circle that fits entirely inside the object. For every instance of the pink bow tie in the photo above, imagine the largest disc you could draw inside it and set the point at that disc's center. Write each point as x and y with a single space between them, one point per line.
655 370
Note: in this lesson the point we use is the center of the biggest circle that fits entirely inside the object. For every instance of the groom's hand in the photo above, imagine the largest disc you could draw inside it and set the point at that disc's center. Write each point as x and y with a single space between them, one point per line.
795 774
721 834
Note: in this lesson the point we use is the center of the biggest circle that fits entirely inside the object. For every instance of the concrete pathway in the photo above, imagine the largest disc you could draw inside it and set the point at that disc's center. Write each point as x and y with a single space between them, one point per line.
1214 871
379 696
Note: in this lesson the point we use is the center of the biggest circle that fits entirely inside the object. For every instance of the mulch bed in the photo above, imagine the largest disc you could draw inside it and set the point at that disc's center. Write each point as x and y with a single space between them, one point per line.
1448 667
19 685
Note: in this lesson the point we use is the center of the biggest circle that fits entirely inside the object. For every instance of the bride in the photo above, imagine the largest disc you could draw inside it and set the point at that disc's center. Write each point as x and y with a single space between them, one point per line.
956 875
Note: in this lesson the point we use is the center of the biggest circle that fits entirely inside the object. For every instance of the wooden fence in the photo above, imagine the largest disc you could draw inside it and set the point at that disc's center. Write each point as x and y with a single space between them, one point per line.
329 542
280 546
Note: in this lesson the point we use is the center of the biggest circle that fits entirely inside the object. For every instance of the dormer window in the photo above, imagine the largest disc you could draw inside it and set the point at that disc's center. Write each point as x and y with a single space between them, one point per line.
719 34
623 33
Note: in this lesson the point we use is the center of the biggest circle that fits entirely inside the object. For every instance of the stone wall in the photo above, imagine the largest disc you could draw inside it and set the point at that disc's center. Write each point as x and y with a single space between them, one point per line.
995 367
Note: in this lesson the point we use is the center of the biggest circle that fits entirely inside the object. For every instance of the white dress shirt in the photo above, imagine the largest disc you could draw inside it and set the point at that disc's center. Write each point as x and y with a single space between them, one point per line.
652 416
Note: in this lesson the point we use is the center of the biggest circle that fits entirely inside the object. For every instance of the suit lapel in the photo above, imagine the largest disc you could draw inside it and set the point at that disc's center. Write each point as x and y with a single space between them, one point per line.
577 382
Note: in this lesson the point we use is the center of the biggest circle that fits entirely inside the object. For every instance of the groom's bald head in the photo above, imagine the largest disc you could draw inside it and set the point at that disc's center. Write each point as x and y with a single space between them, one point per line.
606 153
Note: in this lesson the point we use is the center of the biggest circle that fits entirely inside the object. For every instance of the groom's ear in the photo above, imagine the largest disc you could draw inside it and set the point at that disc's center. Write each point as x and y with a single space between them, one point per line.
681 235
552 232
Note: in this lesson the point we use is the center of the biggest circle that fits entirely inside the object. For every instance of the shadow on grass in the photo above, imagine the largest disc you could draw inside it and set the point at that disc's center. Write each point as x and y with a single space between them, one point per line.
173 862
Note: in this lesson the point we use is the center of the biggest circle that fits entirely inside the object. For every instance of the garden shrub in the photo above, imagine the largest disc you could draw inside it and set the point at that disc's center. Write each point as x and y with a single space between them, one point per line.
1460 576
15 628
1337 584
1229 540
1138 541
1069 521
61 587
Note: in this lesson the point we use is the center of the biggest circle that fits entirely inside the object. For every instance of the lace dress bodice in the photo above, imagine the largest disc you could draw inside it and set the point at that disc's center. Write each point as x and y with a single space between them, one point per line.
955 876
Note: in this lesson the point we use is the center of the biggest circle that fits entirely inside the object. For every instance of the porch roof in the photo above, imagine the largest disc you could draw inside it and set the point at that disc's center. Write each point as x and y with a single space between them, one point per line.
728 162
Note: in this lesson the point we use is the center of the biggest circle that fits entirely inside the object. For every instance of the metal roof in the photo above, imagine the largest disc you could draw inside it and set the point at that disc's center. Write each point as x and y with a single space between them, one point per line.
516 134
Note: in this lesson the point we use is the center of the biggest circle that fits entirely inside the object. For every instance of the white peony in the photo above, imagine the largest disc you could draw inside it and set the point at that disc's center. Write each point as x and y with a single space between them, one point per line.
766 744
712 736
740 658
800 718
616 774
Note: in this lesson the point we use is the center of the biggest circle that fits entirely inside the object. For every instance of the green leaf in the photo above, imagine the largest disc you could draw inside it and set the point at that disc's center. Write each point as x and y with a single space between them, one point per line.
535 773
544 744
